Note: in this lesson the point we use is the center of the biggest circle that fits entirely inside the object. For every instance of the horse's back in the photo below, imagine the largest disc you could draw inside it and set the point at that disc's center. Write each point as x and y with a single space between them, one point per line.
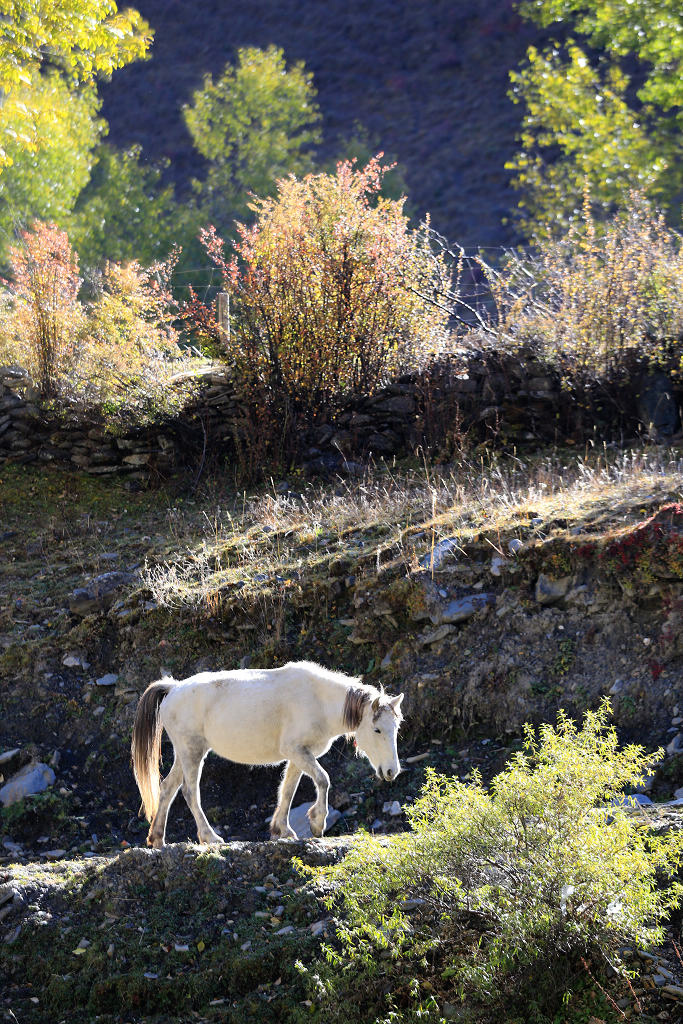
246 715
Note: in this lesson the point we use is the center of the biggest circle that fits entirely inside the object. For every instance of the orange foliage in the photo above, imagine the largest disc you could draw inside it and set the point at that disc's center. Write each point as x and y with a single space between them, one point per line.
331 289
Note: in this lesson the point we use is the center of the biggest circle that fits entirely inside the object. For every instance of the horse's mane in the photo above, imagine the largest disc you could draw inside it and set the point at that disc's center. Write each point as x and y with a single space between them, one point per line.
354 703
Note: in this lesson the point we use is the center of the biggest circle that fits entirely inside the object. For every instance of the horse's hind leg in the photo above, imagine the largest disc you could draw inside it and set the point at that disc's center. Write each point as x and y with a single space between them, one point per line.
169 788
279 826
193 761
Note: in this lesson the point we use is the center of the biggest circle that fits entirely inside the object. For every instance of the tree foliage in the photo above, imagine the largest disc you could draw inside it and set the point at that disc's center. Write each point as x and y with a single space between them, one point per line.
124 212
79 38
604 111
256 123
44 182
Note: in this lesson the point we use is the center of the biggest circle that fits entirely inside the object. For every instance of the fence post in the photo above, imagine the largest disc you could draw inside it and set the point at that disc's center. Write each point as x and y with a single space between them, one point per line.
223 316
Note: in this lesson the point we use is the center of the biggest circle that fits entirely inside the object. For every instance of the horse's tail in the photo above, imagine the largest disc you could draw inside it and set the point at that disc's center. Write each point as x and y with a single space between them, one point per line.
146 745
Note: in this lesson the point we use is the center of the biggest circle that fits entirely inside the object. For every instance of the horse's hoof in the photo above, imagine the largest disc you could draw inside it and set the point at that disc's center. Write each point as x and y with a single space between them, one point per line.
317 825
211 839
283 833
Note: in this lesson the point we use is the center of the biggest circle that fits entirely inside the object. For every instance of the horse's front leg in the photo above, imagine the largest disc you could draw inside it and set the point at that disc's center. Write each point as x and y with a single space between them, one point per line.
317 815
279 825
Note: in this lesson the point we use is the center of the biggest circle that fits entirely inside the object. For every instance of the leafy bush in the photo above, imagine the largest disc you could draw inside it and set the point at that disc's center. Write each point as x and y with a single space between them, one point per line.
118 351
592 299
510 880
130 348
39 330
331 292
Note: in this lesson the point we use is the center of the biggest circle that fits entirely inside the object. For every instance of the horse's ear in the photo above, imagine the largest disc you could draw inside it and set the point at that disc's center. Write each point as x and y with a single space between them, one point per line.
395 703
375 705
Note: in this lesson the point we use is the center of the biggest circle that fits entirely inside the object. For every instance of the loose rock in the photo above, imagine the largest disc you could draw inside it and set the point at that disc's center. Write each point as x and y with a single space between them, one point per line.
33 778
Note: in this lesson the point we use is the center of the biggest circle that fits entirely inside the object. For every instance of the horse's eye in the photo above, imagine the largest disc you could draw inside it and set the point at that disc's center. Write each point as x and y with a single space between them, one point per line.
378 730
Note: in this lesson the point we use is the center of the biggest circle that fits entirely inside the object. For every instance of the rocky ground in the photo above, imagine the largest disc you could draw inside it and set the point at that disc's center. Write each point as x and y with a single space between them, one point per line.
217 934
485 623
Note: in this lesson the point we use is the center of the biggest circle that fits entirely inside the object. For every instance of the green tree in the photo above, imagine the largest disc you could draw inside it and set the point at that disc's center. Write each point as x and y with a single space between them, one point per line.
79 38
124 213
44 182
258 122
603 114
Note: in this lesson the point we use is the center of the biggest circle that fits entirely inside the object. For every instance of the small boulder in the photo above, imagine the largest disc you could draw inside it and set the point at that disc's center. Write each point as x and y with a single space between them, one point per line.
434 558
7 756
33 778
100 593
298 820
110 679
440 633
462 608
676 745
548 591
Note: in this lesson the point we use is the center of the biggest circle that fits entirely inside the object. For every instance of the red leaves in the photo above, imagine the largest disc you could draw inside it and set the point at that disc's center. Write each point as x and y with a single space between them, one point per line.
46 284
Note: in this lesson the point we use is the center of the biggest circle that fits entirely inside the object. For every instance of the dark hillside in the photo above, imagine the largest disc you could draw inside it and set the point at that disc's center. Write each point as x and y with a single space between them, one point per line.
427 79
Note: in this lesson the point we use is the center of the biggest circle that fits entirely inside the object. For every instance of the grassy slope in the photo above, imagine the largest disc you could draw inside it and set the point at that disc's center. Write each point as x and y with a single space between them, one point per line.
427 80
333 574
236 575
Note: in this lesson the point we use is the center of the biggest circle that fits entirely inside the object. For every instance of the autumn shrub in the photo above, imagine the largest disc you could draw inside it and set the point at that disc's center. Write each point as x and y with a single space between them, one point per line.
596 302
331 292
130 347
118 351
498 886
43 316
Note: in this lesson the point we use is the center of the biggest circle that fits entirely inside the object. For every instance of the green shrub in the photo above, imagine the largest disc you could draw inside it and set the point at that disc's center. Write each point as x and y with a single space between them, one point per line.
516 878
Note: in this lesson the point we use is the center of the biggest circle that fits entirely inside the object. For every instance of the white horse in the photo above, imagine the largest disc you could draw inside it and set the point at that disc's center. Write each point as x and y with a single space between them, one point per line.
258 716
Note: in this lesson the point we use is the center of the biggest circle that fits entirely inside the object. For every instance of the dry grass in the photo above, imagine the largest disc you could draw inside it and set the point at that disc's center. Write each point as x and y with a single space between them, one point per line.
270 542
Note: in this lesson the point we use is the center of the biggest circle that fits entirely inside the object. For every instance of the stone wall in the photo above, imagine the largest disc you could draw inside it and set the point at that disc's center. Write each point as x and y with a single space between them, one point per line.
508 401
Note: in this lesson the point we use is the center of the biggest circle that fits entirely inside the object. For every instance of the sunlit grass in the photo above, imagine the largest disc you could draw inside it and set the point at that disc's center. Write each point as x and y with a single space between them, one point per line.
276 539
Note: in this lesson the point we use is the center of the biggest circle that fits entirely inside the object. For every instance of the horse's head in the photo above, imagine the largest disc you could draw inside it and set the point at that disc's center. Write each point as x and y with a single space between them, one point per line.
376 735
